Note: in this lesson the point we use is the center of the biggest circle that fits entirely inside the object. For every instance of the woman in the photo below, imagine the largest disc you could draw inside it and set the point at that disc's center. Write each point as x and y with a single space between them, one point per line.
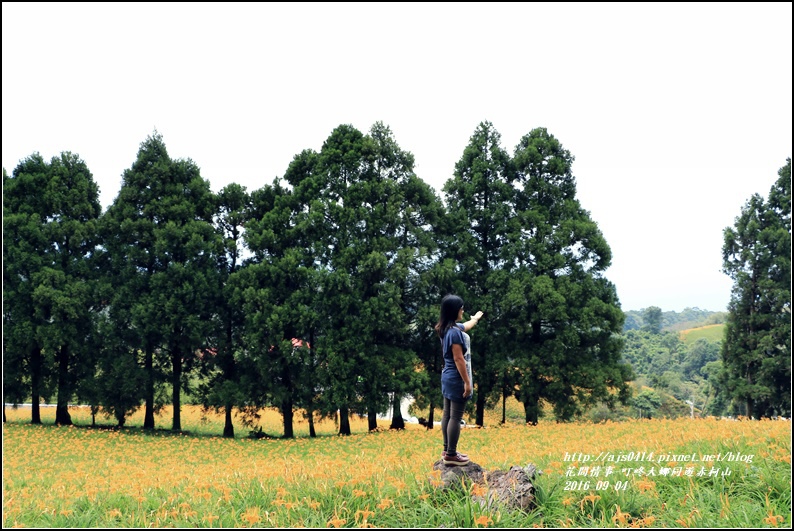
456 380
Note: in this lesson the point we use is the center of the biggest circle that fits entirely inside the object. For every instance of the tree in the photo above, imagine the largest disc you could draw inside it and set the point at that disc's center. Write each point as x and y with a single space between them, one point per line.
697 355
365 265
565 316
162 247
65 208
652 316
65 296
222 389
128 229
351 218
756 351
277 292
715 402
652 354
324 218
632 322
25 372
646 402
479 201
409 215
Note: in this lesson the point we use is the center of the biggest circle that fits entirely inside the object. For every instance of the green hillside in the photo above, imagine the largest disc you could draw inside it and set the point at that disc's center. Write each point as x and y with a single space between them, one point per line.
711 332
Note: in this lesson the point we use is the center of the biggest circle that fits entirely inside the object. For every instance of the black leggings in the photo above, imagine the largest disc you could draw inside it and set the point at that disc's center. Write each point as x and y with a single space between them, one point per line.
450 424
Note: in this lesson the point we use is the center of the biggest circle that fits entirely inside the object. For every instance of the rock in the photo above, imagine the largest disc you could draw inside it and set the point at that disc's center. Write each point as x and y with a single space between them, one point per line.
511 488
451 475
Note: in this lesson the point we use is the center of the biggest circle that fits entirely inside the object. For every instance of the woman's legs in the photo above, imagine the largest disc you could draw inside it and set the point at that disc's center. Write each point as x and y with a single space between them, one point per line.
450 425
445 422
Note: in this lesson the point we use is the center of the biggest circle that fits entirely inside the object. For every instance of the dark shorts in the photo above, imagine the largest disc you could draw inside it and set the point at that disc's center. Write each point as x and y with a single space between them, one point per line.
452 387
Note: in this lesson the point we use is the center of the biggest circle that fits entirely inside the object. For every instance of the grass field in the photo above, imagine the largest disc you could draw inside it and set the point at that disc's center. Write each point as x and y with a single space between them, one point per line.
710 332
703 473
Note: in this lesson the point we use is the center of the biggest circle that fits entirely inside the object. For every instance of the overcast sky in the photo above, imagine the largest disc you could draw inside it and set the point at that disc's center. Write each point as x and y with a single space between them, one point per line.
675 113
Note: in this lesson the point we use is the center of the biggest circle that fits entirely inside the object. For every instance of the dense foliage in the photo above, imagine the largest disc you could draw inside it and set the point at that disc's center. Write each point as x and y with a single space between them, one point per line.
532 259
756 352
50 215
318 292
679 377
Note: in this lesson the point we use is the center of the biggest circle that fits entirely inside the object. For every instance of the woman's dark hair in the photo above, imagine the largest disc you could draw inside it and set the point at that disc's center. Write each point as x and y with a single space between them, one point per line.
450 306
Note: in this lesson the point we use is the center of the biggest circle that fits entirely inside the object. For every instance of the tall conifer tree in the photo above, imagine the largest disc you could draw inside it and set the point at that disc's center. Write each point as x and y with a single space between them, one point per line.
24 369
49 233
566 315
222 390
162 244
479 202
756 351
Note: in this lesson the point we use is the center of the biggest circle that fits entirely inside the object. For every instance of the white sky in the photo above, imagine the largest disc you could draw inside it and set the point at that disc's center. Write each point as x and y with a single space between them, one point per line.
676 113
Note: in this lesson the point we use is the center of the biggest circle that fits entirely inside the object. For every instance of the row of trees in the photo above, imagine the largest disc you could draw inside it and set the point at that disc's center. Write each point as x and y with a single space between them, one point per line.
316 292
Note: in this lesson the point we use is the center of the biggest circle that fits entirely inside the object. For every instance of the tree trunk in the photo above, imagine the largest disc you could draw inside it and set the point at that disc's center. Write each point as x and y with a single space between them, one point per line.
62 416
287 414
480 410
397 421
430 416
372 419
228 428
287 404
747 400
35 385
530 410
310 409
310 415
531 397
344 421
229 371
530 415
176 380
504 407
148 418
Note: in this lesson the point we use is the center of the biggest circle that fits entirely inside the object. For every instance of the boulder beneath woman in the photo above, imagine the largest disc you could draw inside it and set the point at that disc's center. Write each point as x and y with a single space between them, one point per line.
511 488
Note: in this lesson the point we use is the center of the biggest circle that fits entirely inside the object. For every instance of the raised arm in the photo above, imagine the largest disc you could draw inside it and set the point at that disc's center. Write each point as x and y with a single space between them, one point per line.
468 325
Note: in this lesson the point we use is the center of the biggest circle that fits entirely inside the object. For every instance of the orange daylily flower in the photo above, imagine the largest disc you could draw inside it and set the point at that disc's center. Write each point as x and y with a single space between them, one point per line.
589 498
478 490
620 518
251 516
336 522
482 521
385 503
773 519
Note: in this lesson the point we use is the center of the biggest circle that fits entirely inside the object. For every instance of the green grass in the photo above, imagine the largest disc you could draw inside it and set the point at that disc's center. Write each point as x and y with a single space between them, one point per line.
89 477
710 332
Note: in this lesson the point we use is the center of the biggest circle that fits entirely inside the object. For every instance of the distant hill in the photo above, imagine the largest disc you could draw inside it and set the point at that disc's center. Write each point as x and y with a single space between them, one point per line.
676 321
711 332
